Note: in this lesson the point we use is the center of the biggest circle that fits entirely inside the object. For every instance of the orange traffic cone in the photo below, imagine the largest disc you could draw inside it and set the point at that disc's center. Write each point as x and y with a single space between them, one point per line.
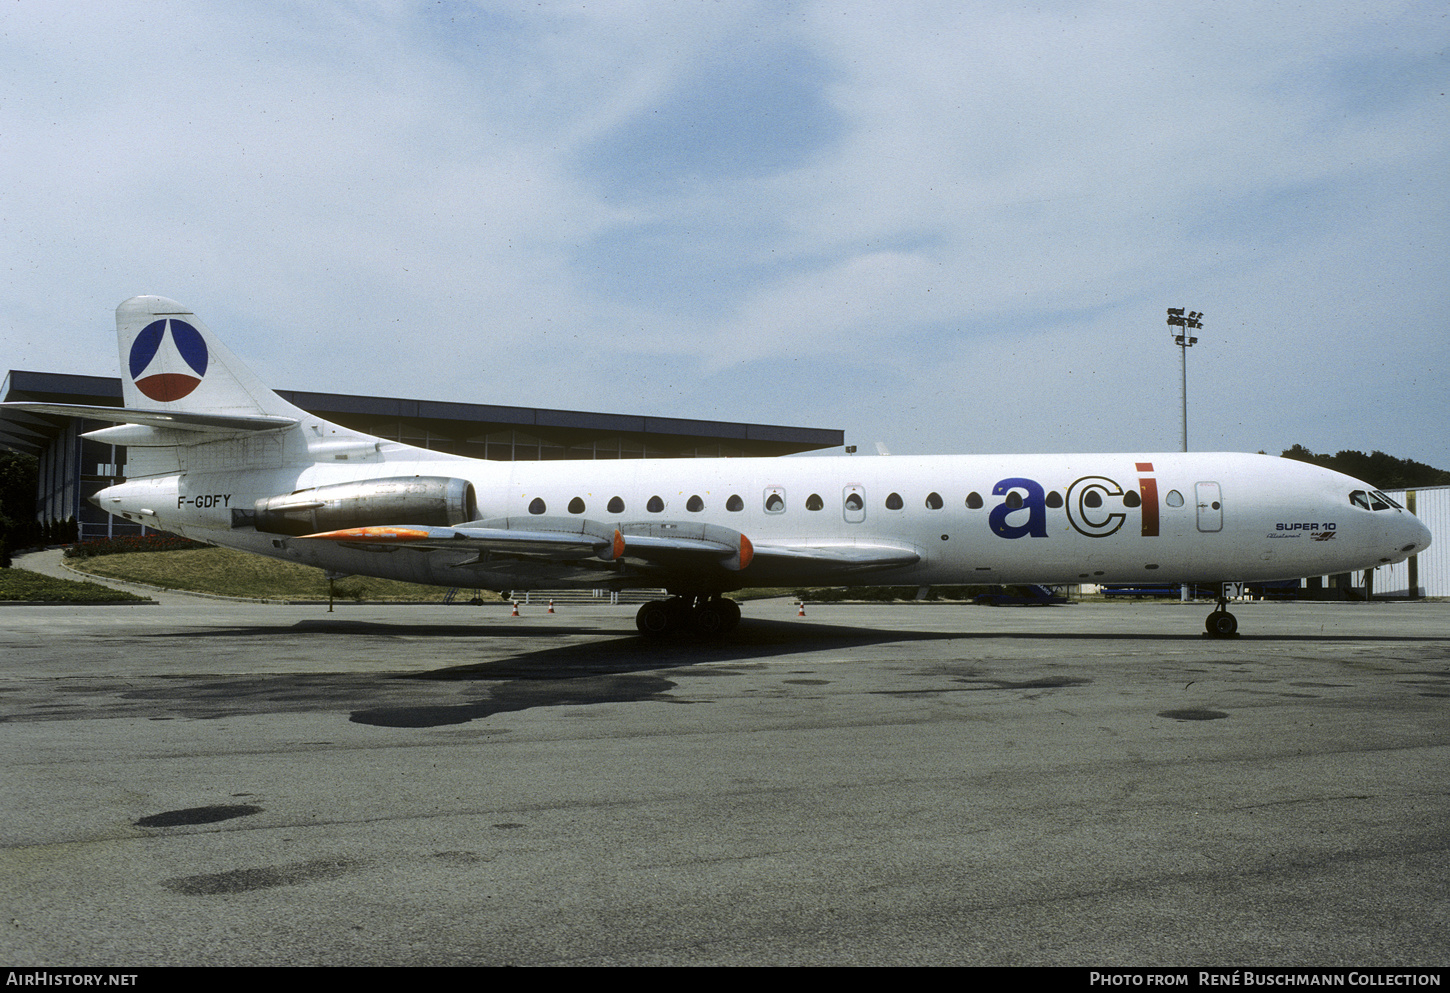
516 609
551 606
802 611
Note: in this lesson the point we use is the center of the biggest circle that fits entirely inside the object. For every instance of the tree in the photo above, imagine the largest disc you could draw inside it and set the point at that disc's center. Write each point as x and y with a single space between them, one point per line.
1384 472
19 475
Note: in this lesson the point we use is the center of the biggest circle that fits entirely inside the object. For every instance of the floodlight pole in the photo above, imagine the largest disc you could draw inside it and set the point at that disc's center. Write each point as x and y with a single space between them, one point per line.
1183 389
1189 321
1184 341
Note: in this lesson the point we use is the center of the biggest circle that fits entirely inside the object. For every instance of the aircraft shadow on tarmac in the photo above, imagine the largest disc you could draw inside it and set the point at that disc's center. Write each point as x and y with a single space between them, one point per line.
595 666
622 670
592 667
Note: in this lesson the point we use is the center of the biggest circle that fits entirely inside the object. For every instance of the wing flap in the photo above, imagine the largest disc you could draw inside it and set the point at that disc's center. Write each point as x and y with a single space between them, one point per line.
806 559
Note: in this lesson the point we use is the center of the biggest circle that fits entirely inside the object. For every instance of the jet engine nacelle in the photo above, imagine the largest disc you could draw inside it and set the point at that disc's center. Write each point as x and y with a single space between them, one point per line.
424 500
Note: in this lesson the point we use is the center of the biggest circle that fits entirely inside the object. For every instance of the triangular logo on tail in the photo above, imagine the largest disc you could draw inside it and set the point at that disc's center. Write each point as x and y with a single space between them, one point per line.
168 360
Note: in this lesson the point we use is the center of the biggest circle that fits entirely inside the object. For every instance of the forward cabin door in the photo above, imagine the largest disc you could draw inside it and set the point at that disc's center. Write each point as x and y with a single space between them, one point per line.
1210 506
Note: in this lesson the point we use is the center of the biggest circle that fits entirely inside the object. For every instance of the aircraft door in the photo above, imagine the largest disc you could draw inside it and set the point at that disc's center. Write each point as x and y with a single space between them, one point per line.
1210 506
853 504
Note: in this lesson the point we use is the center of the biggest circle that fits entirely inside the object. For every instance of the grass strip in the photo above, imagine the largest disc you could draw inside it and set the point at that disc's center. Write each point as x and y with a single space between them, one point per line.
22 585
226 572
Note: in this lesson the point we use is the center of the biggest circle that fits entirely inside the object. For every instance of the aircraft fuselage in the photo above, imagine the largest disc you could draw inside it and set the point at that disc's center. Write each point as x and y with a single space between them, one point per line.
1193 518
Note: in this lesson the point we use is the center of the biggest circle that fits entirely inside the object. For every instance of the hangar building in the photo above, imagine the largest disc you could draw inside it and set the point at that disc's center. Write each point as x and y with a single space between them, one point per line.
1427 574
72 468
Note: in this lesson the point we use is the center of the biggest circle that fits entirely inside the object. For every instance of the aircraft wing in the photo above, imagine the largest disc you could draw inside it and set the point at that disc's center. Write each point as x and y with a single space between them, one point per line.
664 548
175 420
677 553
540 538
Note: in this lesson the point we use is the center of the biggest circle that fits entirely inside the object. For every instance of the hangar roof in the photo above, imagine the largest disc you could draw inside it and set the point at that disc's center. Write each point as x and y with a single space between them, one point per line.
466 424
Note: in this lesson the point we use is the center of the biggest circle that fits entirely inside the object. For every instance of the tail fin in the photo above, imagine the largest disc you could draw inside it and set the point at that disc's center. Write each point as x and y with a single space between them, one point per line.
171 361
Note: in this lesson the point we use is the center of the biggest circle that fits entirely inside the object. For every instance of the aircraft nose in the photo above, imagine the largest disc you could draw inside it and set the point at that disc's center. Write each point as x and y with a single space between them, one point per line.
1417 535
1407 535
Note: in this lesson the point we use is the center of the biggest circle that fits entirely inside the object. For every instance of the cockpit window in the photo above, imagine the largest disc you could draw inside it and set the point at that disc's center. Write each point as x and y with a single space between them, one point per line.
1373 500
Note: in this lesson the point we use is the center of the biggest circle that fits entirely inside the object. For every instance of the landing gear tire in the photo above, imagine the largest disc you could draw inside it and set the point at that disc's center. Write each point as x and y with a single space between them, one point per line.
716 616
654 619
732 614
1221 624
709 619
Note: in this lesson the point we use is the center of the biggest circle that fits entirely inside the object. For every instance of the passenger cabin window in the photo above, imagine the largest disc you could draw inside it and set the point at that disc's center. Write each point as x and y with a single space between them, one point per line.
974 500
616 505
775 500
1054 499
695 504
933 501
854 502
655 505
576 505
1131 499
536 505
814 502
1014 499
735 504
1174 498
893 501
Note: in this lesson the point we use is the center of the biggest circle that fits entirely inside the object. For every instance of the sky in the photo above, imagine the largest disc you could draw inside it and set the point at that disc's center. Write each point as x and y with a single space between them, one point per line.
944 227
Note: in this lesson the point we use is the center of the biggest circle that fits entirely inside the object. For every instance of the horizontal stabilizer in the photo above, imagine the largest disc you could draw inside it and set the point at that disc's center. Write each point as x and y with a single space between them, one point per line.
213 424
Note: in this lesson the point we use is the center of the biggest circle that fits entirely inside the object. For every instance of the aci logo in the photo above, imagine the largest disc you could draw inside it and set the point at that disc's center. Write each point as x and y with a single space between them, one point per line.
164 357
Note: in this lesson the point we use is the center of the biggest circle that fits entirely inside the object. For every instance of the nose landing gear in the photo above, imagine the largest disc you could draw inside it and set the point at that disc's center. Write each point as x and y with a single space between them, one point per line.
1220 623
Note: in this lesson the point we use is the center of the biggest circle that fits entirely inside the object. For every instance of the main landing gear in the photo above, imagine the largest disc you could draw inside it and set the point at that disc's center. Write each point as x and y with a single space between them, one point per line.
1220 623
706 614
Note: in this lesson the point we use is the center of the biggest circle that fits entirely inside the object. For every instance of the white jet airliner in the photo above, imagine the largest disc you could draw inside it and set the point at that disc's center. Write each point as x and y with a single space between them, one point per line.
217 456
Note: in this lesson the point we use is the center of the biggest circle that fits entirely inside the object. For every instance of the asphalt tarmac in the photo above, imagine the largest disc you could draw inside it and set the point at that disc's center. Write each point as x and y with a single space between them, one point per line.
216 783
